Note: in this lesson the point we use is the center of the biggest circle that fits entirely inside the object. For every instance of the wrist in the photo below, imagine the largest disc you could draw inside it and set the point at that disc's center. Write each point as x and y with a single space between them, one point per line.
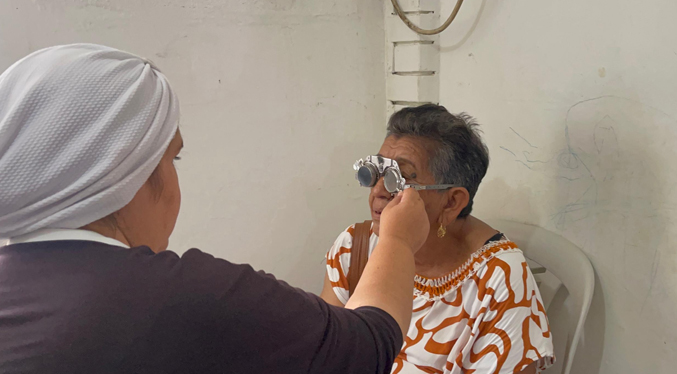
394 244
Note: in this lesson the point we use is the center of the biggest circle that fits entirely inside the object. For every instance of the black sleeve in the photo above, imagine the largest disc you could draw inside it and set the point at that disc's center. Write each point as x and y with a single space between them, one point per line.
259 324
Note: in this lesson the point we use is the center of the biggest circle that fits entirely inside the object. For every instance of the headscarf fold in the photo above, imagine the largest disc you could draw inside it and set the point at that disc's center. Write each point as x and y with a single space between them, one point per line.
82 127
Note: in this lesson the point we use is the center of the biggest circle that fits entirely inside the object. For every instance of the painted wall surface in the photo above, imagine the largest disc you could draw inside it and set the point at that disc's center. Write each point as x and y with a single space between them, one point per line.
278 97
578 102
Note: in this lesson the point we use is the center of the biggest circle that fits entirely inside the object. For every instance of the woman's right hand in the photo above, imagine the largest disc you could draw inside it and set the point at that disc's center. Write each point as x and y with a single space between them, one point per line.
405 220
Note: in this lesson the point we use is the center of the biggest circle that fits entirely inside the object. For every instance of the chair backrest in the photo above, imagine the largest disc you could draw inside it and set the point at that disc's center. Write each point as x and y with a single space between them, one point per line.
567 308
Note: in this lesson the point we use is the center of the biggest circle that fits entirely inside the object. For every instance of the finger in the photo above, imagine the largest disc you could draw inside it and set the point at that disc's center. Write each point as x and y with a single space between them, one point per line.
396 200
410 194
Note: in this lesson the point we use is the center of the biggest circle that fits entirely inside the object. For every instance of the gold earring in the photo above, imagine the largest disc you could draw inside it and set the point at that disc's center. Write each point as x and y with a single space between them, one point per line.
441 231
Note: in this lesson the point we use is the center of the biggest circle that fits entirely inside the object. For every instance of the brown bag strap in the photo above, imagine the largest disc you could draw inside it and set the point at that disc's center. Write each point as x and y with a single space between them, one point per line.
359 254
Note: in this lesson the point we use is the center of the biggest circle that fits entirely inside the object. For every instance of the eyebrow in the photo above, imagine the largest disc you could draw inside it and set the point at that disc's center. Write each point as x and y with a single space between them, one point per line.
400 160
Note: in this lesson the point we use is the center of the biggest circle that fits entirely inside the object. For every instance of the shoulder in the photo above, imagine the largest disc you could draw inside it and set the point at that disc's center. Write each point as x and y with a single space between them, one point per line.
343 243
511 257
345 238
196 275
503 256
507 273
493 267
338 255
338 262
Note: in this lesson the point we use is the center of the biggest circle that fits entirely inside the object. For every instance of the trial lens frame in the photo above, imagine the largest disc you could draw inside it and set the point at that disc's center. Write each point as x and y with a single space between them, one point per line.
375 167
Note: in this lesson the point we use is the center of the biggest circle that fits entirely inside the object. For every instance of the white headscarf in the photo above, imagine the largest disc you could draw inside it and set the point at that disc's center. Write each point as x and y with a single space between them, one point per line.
82 127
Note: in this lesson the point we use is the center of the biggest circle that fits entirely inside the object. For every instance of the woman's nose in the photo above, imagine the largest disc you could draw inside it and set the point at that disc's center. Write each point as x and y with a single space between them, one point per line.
379 189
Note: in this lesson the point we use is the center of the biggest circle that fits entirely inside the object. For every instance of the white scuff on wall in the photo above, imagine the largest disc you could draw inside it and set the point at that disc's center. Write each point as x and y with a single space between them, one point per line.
577 102
279 98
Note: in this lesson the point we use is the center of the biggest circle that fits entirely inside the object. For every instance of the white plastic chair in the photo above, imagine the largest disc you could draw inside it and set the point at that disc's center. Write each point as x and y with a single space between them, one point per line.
567 298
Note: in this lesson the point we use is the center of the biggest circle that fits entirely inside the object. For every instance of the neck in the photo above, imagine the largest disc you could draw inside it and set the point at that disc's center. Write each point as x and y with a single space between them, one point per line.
108 231
439 256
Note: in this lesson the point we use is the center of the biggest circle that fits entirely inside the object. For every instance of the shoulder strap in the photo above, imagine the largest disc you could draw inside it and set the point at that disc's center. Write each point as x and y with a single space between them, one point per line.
359 254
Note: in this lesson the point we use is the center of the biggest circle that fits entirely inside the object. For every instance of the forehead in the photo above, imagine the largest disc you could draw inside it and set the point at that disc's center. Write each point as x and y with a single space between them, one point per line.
405 150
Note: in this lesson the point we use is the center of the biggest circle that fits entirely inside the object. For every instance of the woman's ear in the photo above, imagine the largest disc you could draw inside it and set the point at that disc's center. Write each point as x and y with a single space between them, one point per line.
457 199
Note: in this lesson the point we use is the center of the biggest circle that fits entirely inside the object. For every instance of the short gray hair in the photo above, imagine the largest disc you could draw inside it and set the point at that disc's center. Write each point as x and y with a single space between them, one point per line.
457 155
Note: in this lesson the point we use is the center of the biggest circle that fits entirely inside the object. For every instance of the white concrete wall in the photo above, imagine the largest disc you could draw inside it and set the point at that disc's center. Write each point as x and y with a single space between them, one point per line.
578 104
279 97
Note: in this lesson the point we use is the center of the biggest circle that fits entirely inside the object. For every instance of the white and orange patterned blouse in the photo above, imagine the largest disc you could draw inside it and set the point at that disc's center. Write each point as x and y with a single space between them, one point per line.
486 317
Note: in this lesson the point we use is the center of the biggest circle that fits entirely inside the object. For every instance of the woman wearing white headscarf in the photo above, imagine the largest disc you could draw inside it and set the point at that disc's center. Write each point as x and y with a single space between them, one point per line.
88 199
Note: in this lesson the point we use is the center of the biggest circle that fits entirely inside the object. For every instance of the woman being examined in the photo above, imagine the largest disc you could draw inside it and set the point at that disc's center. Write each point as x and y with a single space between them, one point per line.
477 308
89 196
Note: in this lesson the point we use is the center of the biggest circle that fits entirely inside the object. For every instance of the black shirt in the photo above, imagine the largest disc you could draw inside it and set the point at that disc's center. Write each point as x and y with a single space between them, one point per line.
88 307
